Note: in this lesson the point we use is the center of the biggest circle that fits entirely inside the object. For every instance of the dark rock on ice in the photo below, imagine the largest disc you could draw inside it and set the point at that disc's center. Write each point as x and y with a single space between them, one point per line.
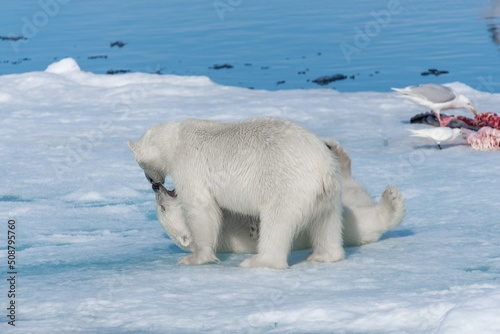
11 38
119 44
219 67
19 61
325 80
434 71
117 71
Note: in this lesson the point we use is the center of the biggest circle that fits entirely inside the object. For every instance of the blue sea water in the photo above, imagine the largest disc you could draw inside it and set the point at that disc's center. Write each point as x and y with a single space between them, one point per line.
376 44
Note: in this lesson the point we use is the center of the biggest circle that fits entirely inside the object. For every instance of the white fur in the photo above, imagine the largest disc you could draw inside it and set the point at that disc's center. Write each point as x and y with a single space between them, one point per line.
364 220
267 168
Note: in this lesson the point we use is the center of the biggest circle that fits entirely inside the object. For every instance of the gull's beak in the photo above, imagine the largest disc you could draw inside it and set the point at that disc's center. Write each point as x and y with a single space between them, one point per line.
473 111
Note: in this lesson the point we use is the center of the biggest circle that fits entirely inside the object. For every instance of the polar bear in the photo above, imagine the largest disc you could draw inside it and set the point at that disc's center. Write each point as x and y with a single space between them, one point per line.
267 168
364 221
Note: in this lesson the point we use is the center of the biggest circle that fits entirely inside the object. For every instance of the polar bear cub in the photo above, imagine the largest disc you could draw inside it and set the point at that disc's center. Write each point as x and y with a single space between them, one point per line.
266 168
364 220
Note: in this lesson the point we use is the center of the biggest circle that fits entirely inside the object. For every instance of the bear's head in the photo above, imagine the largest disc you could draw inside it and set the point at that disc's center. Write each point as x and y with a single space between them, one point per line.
149 155
171 217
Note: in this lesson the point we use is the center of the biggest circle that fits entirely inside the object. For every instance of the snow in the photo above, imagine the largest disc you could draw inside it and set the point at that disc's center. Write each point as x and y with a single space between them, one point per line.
92 256
476 315
65 66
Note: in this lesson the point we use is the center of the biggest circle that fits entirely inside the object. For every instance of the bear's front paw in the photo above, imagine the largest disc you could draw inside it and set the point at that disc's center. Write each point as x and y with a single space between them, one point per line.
259 261
199 257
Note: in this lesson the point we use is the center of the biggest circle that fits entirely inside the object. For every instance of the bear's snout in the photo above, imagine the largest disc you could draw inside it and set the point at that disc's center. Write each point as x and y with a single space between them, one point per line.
158 187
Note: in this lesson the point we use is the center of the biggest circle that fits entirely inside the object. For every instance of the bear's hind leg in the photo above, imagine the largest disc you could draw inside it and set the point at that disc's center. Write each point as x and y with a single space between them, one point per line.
276 232
326 236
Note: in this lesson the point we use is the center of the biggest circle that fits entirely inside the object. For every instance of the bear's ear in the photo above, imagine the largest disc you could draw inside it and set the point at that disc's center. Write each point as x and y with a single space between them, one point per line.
131 145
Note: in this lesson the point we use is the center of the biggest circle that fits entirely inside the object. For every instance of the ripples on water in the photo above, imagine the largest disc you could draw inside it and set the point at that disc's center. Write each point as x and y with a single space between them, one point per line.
376 44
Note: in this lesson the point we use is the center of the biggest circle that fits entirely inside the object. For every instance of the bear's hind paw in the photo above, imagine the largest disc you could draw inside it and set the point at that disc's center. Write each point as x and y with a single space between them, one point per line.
199 258
259 261
327 257
392 204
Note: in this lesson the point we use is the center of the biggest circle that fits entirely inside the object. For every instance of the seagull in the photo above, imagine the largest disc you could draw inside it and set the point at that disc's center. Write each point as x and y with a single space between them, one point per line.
438 135
437 98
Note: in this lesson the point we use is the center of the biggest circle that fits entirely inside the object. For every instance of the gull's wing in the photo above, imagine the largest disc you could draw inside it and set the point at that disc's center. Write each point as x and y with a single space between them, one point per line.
439 135
429 92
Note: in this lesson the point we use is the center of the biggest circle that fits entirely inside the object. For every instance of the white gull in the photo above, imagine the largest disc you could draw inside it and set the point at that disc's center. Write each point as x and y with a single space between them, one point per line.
438 135
437 98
